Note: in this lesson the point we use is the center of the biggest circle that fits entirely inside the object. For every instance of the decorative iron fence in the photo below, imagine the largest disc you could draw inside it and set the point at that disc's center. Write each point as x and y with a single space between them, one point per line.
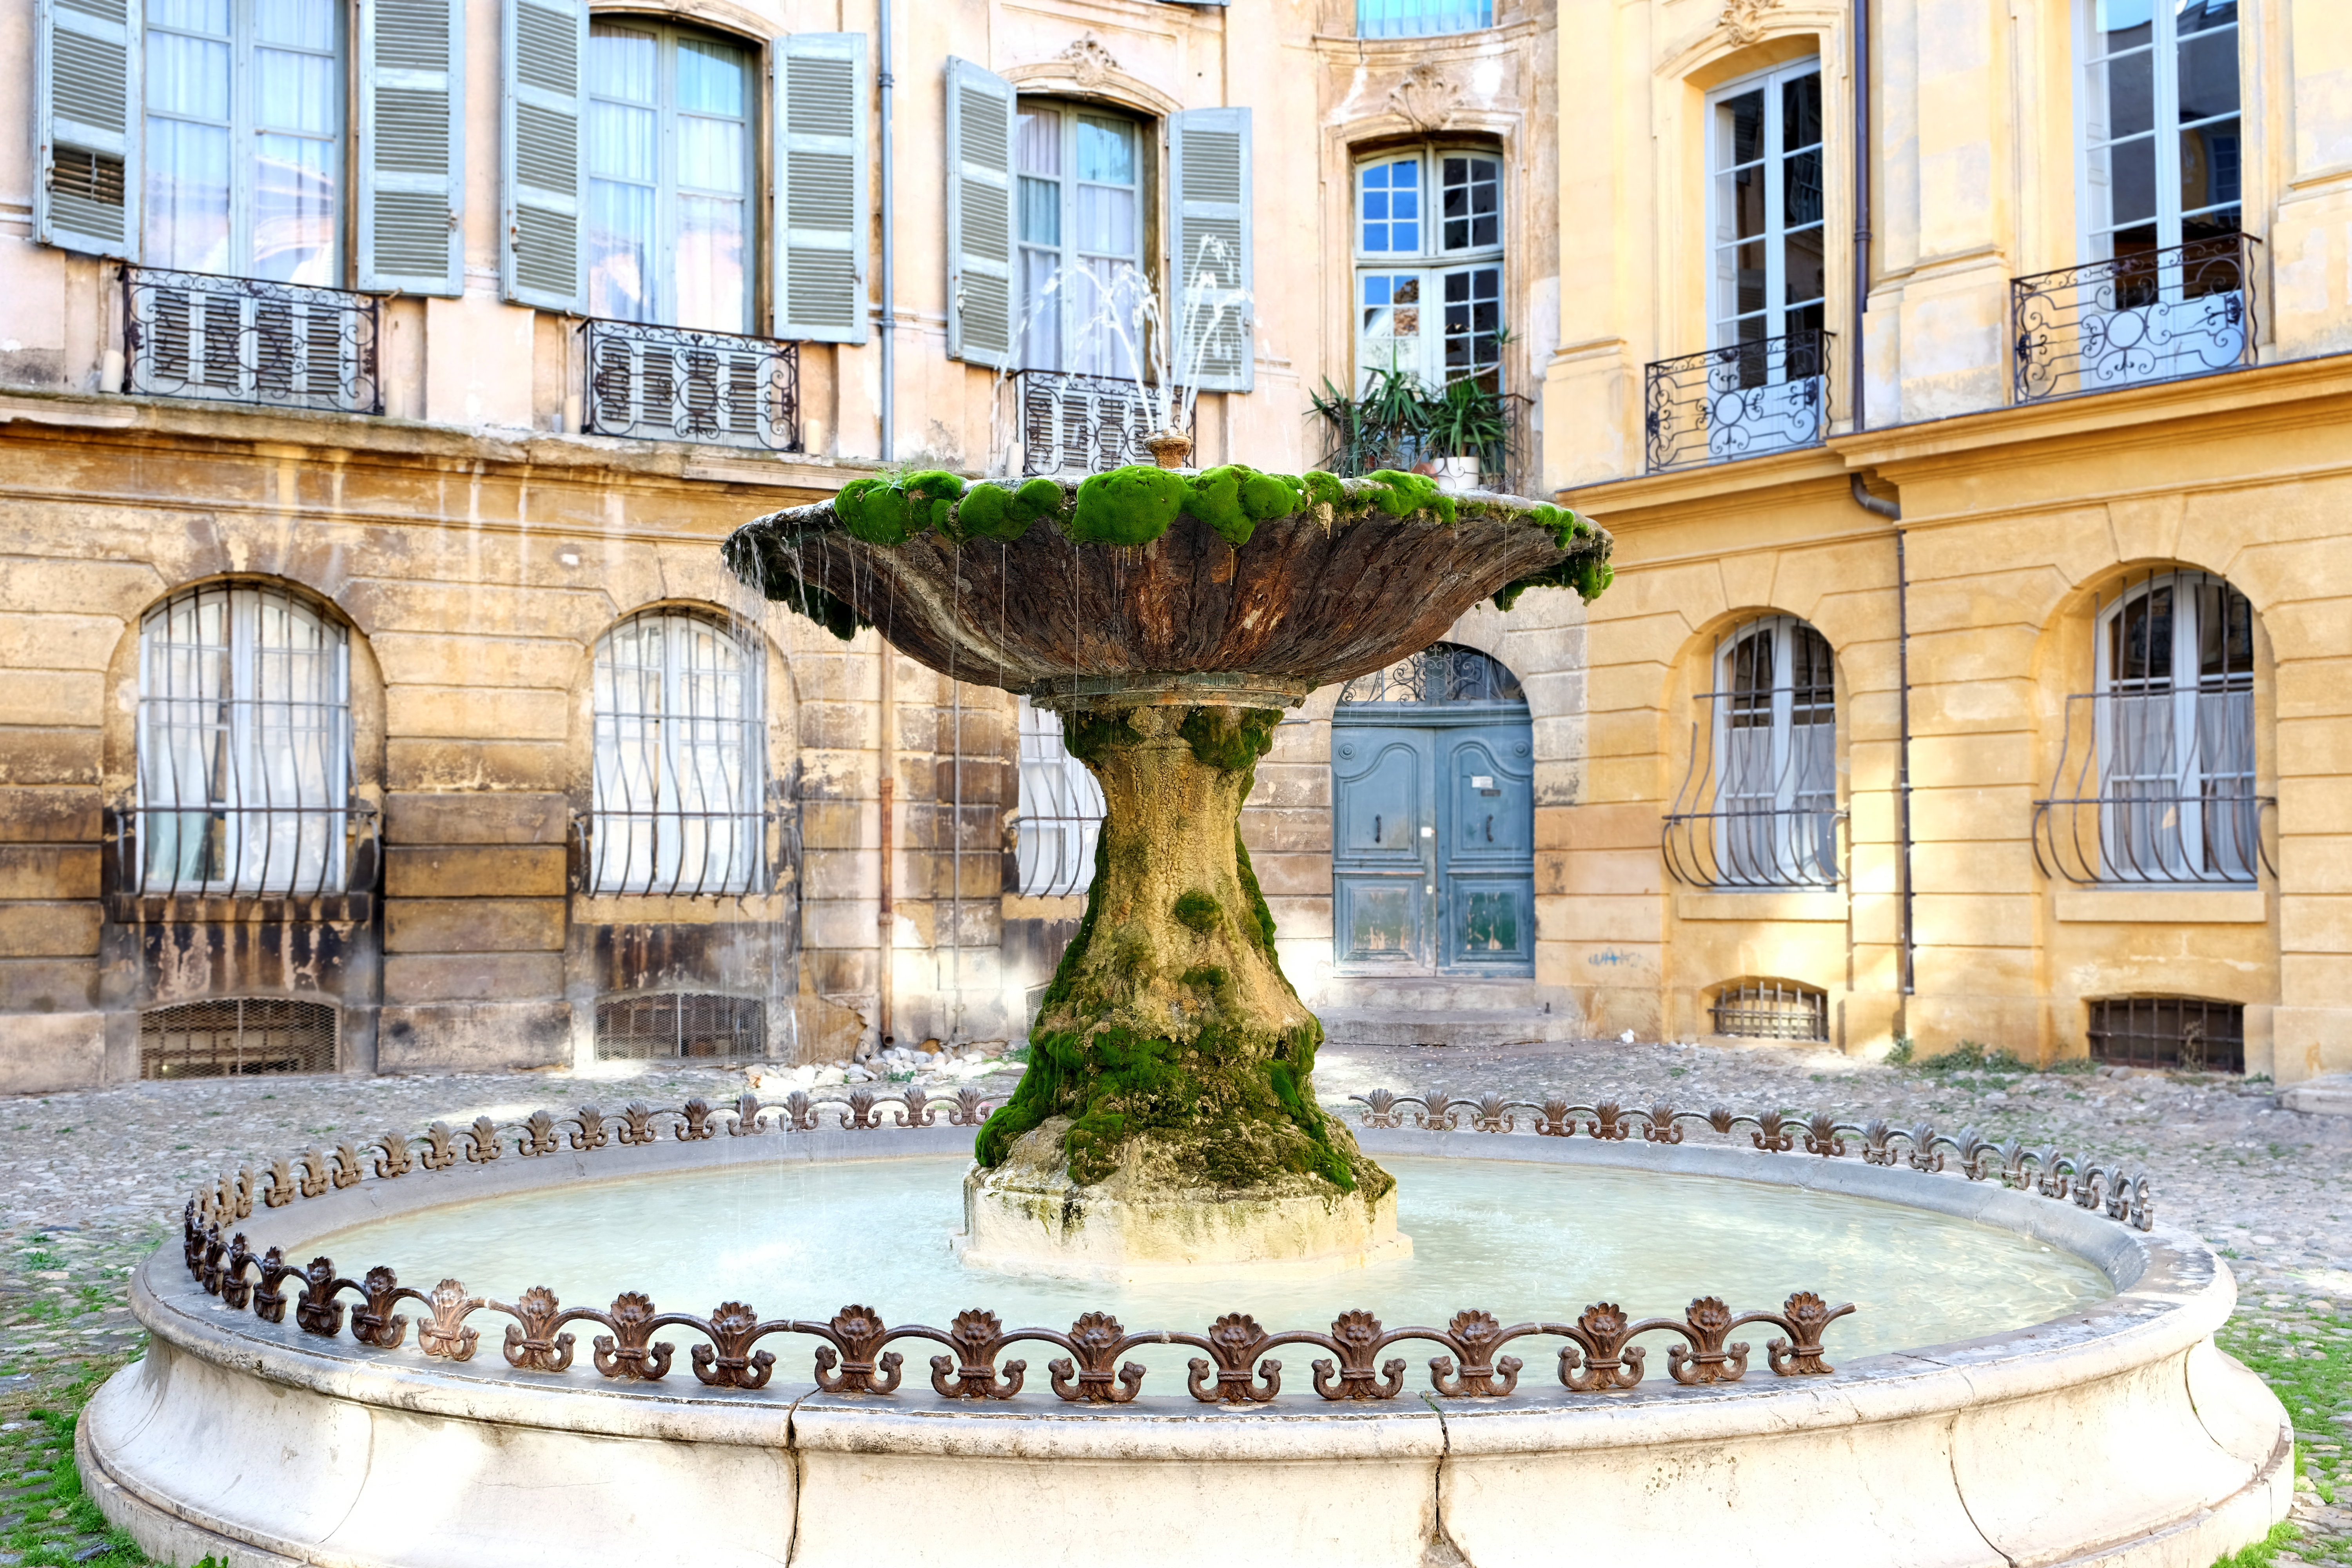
1742 401
667 383
2153 315
2156 786
1066 423
248 339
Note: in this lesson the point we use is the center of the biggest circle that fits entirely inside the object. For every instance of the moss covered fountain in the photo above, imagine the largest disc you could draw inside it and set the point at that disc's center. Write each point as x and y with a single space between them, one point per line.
1168 1119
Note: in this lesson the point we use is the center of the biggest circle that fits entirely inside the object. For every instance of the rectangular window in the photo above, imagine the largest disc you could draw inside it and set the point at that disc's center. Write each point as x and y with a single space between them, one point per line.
1764 151
1079 177
669 176
2161 127
244 137
1421 18
1429 280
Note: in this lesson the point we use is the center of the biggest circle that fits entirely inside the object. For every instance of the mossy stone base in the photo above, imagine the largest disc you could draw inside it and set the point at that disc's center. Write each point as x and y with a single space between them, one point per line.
1026 1216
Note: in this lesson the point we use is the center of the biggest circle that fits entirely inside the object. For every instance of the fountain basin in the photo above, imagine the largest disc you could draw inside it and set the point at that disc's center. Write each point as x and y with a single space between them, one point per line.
2111 1434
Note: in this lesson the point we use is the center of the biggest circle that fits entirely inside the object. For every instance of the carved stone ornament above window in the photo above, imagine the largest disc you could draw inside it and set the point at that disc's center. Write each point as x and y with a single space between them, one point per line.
1090 63
1426 97
1746 20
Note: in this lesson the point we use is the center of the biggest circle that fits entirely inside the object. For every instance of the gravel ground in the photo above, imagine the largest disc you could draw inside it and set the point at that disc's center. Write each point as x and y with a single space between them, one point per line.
97 1179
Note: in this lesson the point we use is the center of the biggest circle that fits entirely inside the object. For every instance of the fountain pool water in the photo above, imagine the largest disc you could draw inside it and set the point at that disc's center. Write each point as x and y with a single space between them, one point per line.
1524 1242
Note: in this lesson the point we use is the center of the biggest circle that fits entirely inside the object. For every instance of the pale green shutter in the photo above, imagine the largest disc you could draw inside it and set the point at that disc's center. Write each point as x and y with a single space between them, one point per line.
544 117
412 162
86 117
1209 170
979 216
822 206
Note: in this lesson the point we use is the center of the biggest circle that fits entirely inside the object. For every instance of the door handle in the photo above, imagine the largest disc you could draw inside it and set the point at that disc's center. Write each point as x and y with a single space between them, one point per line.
1376 827
1490 830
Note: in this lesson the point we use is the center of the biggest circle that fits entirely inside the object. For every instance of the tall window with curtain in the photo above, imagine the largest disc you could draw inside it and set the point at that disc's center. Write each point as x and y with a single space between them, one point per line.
679 760
1080 217
669 176
243 138
2162 136
1429 266
244 744
1758 806
2175 731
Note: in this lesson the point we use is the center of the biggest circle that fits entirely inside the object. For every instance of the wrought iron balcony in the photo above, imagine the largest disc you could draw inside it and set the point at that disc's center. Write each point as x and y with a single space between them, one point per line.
248 339
1742 401
2154 315
1066 423
667 383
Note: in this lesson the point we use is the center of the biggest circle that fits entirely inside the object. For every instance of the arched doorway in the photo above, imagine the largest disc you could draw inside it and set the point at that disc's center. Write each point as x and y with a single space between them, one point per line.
1432 820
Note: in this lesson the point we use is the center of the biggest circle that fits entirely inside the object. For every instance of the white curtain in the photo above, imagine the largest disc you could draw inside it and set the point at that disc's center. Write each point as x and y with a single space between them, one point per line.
678 761
1061 809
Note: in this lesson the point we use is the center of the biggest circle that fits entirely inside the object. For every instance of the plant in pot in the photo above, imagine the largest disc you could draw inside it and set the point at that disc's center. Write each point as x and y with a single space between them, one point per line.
1466 428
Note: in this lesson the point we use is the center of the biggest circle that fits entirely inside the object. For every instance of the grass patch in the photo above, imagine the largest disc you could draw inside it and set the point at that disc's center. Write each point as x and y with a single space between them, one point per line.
2263 1553
2308 1363
58 1525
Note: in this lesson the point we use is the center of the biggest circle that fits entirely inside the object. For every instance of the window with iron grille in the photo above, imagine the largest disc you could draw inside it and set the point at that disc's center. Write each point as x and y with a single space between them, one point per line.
1061 810
1758 807
244 745
236 1036
2185 1032
680 761
1771 1010
662 1026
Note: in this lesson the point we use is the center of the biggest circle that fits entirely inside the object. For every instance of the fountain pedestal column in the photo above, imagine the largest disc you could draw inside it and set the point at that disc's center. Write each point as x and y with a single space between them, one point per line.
1168 1117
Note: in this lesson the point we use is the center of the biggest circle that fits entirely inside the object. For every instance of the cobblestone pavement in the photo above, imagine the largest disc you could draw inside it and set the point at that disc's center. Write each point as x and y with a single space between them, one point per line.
94 1181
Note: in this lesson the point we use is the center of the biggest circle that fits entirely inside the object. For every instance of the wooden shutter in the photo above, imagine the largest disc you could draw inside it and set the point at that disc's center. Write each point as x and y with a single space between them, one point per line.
979 216
822 206
543 118
86 116
412 121
1209 172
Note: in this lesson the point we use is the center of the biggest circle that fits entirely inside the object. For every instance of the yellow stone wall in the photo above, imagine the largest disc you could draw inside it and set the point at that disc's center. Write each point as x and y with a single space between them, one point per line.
2014 521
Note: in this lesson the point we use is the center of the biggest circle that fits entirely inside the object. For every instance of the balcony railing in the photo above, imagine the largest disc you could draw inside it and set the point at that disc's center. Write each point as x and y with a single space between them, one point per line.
667 383
1421 18
246 340
2156 786
2156 315
1743 401
1066 423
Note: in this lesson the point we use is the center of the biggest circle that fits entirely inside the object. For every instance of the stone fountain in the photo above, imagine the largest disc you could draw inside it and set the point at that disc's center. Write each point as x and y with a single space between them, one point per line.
1168 1119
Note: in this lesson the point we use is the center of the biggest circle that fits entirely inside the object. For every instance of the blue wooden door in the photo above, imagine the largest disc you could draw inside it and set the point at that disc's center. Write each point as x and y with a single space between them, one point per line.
1485 850
1383 848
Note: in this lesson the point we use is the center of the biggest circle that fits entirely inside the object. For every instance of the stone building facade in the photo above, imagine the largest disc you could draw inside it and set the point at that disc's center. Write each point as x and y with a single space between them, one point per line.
1974 668
378 378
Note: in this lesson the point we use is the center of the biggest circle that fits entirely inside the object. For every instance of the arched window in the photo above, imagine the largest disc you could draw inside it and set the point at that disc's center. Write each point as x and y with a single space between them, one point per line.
669 176
1061 810
680 760
1428 267
1758 807
244 744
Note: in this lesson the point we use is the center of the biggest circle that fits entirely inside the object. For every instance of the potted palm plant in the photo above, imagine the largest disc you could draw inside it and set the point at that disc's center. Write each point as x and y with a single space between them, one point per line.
1466 428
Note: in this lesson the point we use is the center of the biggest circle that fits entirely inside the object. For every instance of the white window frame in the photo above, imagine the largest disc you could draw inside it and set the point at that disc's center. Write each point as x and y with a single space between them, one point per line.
1793 788
1723 311
1061 810
1077 301
2196 708
668 193
260 767
1430 263
677 786
2097 238
244 128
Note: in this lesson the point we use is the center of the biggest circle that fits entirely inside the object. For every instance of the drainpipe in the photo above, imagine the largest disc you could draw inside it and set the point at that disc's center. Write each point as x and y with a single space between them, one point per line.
889 282
1893 512
1860 213
955 866
887 790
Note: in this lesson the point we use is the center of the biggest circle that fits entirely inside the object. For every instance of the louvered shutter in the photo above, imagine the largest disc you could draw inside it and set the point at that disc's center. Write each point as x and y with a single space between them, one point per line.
822 207
412 145
1208 169
979 216
86 107
543 115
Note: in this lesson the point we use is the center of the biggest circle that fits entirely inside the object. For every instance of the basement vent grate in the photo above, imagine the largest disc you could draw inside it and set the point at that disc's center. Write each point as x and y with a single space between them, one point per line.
669 1024
236 1036
2186 1032
1769 1010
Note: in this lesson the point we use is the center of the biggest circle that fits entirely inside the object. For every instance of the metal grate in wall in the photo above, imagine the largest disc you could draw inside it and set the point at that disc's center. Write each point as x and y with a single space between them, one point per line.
668 1024
236 1036
2186 1032
1769 1010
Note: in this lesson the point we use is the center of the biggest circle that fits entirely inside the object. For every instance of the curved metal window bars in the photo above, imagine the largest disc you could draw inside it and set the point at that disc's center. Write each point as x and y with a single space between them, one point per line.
2156 771
1757 807
1061 810
243 747
680 757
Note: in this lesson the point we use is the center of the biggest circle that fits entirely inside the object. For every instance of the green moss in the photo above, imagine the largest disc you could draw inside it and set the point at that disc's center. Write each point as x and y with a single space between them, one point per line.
1235 499
1002 511
1212 977
1133 505
1401 495
1226 745
1199 910
1261 918
1588 576
887 511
